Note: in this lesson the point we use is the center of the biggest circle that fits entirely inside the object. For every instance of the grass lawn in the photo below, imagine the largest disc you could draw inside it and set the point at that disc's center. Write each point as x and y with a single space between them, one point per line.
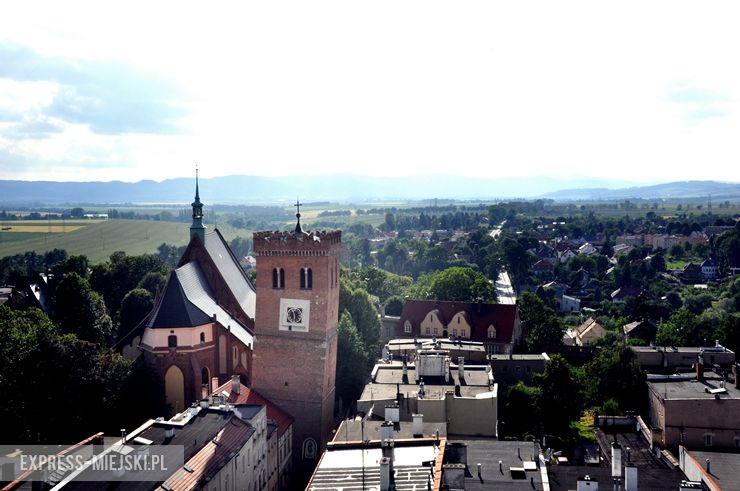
585 427
675 264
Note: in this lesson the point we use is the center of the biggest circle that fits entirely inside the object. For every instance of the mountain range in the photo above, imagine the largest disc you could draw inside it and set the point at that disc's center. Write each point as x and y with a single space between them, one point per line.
351 188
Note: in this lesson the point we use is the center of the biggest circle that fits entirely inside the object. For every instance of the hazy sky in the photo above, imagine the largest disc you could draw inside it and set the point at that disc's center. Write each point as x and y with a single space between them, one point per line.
628 90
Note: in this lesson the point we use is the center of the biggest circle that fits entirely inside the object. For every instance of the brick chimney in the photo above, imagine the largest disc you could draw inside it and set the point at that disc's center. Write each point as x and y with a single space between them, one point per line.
700 367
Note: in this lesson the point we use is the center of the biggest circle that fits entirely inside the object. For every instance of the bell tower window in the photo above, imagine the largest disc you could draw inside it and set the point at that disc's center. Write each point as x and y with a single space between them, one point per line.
306 279
278 278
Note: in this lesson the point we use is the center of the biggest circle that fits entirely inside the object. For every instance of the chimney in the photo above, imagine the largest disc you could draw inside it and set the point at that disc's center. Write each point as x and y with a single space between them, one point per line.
169 432
392 413
418 426
700 367
461 367
630 477
586 484
386 431
453 475
385 474
204 403
235 384
456 453
616 460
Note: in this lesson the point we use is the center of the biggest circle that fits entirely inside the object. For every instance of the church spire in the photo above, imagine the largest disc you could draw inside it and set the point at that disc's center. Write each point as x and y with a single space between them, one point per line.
298 228
197 228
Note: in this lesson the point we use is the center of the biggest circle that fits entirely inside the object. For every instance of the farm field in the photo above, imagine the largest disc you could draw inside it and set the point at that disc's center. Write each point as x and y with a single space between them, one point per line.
98 240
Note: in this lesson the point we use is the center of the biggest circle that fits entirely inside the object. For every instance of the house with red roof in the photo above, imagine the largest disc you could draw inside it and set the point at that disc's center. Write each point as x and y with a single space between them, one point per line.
497 326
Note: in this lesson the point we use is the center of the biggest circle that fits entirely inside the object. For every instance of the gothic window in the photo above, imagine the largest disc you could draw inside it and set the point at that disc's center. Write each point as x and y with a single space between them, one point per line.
278 278
306 279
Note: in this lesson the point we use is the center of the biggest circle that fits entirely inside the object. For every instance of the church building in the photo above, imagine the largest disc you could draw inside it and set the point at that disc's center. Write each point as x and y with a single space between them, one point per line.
210 324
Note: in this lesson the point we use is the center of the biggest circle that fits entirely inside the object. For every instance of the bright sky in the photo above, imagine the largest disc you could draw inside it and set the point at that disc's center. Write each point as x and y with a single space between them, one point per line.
626 90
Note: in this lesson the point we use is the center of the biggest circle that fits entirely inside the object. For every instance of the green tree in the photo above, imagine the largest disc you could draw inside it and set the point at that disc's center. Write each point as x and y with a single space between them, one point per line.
136 305
544 327
394 306
153 282
561 399
352 360
461 284
615 374
81 311
522 416
121 274
364 314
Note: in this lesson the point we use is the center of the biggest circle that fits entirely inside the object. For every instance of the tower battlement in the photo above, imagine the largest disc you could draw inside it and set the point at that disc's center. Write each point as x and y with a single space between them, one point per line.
289 243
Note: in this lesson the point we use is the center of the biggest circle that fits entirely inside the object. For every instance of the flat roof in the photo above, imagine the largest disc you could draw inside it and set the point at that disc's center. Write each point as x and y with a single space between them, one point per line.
681 349
488 452
673 387
725 468
348 467
393 374
530 357
352 430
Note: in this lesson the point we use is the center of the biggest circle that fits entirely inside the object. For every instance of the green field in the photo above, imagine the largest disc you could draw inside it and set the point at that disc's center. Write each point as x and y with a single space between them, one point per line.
99 240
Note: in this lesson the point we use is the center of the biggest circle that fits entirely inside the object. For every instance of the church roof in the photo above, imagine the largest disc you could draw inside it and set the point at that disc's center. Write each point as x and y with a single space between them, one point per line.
228 266
188 302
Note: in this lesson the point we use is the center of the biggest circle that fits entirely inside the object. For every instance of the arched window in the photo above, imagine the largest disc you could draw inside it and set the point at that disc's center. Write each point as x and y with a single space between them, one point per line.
306 278
407 327
278 278
172 341
491 332
202 338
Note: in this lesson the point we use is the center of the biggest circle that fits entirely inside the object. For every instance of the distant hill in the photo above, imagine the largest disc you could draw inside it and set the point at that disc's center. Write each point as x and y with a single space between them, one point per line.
265 190
671 190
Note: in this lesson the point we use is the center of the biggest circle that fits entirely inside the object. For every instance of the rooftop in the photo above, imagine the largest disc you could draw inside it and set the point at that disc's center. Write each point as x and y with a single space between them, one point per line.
248 395
349 466
685 386
352 430
488 453
725 468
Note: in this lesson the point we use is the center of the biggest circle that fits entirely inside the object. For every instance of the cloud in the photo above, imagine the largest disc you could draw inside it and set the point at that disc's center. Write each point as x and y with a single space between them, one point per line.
699 104
109 96
36 128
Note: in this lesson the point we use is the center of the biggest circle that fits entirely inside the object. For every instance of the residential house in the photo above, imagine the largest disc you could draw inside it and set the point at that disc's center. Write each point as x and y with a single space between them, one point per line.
497 326
620 294
709 269
587 333
543 267
692 273
644 330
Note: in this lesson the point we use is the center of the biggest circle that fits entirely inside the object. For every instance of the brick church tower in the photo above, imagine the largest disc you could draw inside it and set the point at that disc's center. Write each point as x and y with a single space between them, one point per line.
295 355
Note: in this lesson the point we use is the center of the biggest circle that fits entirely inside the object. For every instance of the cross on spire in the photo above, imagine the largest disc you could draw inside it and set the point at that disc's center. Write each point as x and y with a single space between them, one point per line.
298 228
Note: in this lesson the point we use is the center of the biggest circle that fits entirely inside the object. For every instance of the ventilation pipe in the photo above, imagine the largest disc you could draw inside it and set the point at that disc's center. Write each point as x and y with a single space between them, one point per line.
461 367
385 474
386 431
392 413
700 367
616 460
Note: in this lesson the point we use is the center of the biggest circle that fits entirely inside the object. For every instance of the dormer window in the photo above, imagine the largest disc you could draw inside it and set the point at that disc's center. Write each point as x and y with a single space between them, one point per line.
491 332
407 327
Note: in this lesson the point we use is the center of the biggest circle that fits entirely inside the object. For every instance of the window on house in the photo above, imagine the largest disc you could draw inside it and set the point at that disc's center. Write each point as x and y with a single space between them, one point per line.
454 332
202 338
435 331
708 438
281 284
458 319
427 331
275 278
462 333
172 341
387 332
407 327
491 332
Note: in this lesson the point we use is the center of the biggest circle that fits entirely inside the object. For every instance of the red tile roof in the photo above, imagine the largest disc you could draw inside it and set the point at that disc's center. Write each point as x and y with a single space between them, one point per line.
209 459
502 316
248 395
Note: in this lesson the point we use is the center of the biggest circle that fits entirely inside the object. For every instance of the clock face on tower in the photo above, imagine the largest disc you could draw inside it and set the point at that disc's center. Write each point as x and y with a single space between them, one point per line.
294 314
